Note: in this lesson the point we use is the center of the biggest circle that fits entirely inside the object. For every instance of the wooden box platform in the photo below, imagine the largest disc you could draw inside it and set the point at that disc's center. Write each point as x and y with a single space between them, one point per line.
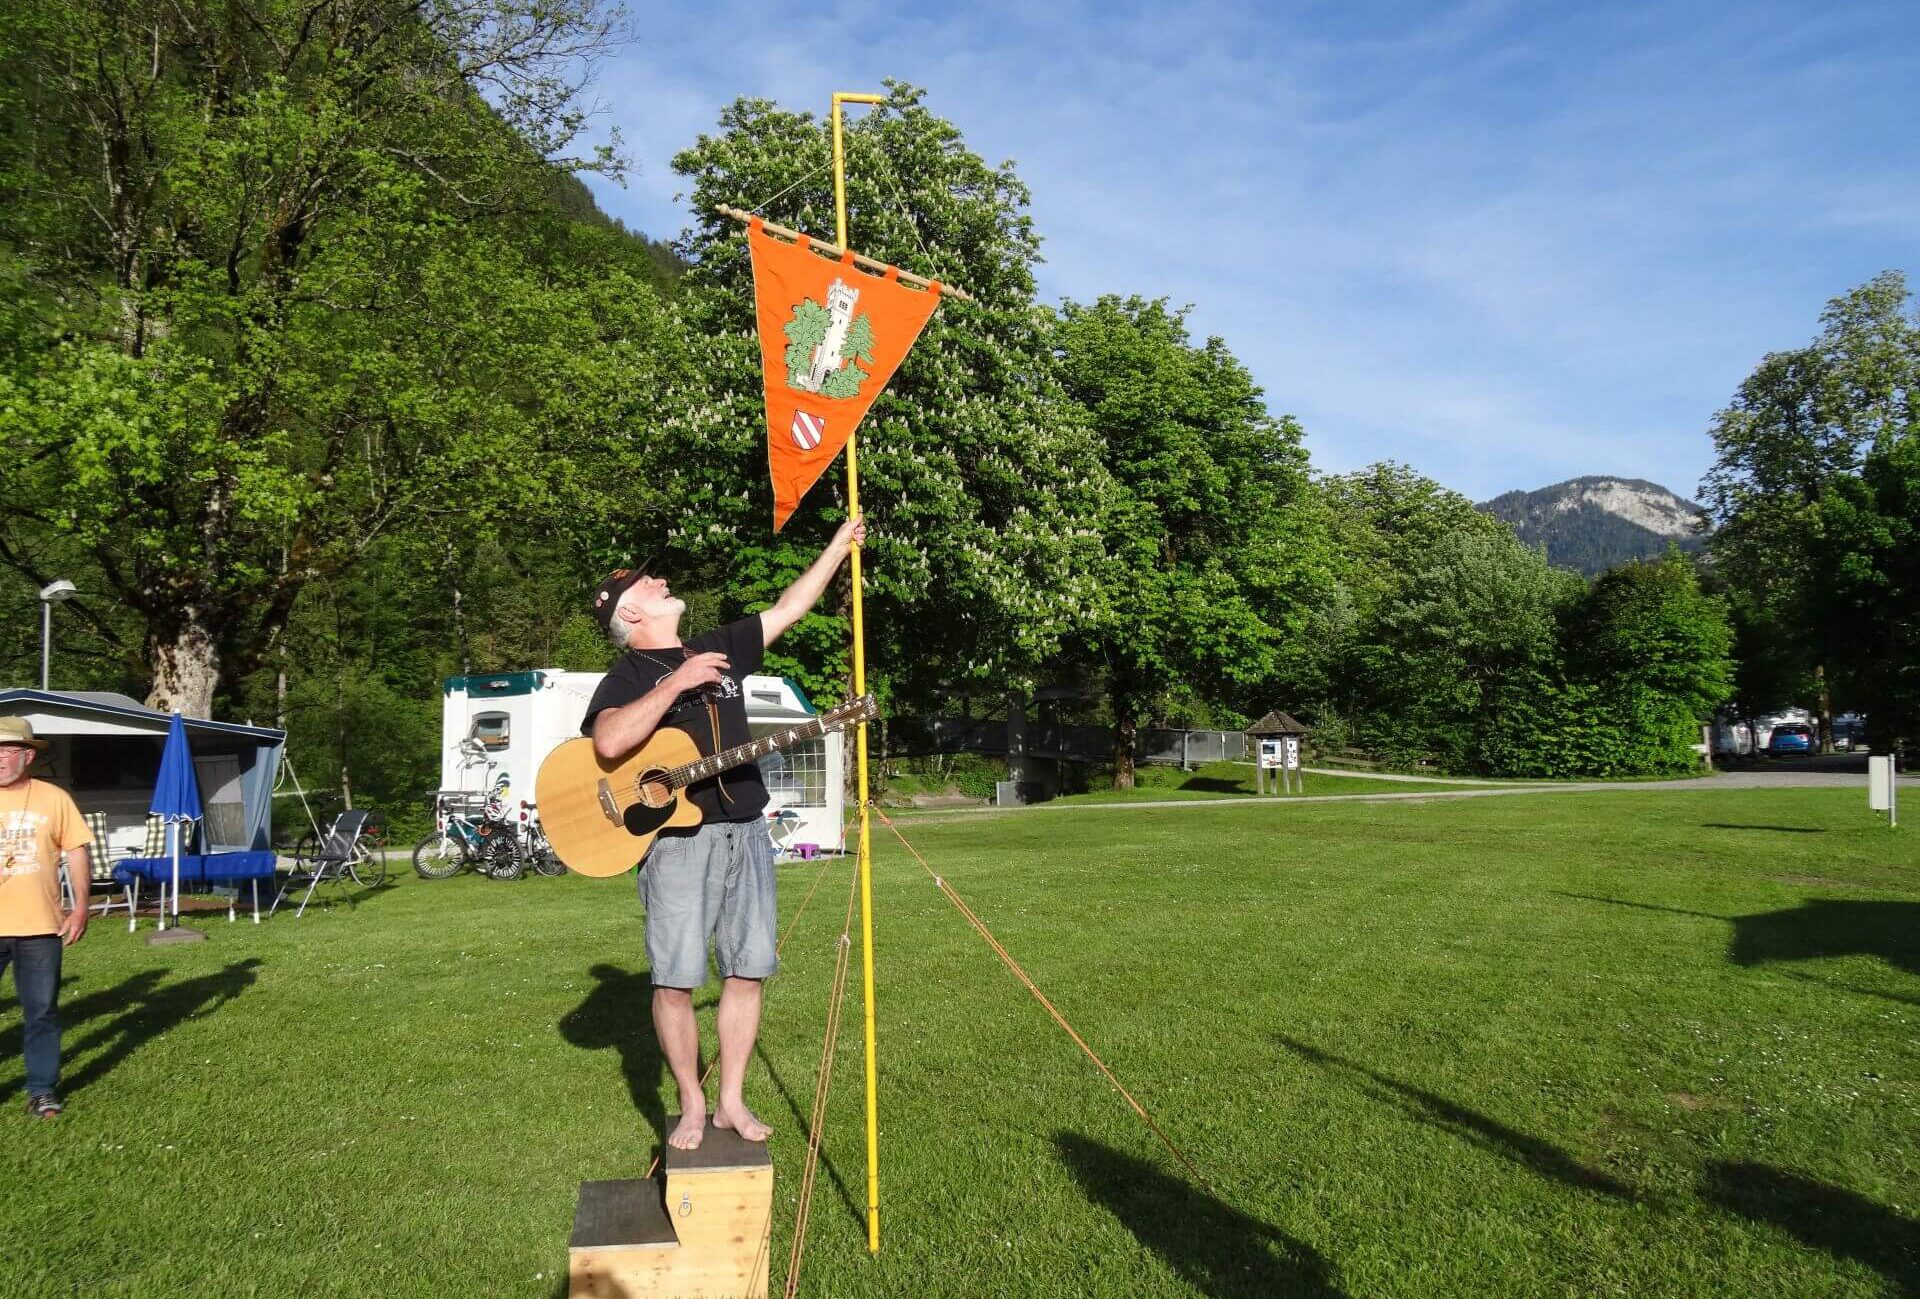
701 1231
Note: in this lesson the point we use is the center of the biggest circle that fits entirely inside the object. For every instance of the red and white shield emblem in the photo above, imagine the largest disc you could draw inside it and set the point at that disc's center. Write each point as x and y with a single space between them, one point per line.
807 429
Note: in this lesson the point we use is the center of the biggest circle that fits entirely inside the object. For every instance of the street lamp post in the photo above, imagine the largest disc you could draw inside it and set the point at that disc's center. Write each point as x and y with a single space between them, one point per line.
50 594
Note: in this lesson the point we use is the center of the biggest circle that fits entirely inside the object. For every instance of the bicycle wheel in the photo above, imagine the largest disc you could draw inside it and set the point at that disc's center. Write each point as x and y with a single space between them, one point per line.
500 855
438 856
369 865
541 854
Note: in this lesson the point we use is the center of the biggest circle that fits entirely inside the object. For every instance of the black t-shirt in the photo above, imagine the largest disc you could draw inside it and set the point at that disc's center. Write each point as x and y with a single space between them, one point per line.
737 794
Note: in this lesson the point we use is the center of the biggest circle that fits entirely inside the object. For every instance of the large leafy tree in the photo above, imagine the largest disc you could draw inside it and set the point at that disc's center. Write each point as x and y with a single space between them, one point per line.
293 284
1461 640
980 480
1804 421
1213 550
1866 562
1387 522
1658 652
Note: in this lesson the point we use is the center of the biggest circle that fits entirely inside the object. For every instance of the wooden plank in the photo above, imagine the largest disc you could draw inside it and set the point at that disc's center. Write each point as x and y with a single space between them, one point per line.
834 250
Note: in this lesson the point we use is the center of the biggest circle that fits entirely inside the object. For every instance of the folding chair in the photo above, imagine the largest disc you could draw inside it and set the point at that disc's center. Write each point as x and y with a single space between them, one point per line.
330 861
100 872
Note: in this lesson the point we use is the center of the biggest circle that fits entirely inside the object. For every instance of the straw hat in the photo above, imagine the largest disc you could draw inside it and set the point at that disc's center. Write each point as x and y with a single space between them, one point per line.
18 730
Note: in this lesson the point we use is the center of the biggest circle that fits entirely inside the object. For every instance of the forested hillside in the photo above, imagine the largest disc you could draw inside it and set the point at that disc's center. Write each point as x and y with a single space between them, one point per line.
323 379
1595 523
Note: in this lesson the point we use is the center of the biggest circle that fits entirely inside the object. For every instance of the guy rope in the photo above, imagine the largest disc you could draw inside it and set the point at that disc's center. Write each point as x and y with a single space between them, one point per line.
1006 958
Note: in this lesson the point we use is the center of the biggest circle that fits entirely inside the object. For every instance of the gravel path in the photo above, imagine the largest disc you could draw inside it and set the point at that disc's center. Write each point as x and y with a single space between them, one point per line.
1766 779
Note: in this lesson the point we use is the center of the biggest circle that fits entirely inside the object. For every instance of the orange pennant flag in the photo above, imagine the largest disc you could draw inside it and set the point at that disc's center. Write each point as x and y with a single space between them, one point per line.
831 336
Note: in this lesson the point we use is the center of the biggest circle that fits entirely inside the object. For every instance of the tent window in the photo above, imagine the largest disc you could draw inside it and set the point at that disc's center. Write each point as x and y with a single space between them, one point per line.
221 800
493 730
795 776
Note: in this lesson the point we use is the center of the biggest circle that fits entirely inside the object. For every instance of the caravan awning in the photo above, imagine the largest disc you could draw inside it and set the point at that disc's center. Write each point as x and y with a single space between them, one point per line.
83 723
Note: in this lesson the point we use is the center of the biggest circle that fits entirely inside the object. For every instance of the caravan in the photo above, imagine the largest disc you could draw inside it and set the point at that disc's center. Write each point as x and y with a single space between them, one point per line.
504 724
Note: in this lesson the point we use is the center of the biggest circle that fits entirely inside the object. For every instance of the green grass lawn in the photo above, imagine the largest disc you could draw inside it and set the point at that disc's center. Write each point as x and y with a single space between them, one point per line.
1635 1043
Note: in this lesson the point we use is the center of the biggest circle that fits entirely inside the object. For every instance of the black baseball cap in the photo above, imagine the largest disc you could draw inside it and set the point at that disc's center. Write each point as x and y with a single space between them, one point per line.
608 593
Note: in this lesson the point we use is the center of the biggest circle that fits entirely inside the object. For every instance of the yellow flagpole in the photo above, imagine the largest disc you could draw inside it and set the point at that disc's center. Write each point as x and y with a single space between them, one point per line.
860 736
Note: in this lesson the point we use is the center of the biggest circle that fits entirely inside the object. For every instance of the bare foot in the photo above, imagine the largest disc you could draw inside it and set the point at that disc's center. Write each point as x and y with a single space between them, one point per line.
687 1136
738 1118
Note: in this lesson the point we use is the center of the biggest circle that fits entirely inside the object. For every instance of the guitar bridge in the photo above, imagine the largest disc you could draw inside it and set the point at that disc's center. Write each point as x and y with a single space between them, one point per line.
609 808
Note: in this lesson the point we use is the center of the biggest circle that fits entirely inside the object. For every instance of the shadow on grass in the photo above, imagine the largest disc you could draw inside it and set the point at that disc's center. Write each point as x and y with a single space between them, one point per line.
1216 1249
617 1015
115 1022
1854 988
1471 1126
1215 785
1818 927
800 1118
1777 829
1823 1217
1831 927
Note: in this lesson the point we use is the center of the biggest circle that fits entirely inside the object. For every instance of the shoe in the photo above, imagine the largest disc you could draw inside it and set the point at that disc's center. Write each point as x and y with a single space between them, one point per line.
44 1106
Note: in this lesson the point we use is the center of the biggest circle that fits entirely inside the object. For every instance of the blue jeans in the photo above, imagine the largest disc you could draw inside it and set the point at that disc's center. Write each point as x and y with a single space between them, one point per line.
36 978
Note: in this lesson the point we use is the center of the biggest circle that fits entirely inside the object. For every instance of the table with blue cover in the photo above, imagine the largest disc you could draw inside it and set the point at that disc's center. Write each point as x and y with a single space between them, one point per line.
198 868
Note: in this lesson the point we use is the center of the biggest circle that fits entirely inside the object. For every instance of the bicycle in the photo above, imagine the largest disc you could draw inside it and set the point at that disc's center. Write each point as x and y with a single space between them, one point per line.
471 831
492 845
535 846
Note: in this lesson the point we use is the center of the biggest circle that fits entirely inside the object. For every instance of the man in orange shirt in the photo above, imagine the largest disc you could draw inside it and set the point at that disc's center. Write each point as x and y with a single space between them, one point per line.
38 822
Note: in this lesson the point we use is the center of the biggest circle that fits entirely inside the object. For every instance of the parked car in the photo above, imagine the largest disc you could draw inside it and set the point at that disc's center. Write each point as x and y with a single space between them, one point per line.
1793 738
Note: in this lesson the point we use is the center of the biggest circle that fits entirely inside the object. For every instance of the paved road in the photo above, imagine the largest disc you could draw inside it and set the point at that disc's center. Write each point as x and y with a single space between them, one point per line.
1819 773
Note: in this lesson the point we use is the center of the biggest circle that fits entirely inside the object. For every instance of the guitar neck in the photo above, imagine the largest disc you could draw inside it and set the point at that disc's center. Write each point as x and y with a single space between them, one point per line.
680 777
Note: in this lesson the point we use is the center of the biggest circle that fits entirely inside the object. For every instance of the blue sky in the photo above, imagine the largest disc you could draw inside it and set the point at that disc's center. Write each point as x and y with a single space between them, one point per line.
1503 243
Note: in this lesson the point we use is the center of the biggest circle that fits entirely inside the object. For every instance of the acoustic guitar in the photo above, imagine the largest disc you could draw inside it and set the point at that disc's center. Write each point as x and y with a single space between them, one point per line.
601 817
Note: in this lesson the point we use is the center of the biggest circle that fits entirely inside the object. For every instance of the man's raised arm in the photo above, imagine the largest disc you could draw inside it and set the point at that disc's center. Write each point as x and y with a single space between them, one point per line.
619 731
806 590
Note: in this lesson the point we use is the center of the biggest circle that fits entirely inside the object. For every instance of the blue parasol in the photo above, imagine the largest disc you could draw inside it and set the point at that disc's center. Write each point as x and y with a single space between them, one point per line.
176 797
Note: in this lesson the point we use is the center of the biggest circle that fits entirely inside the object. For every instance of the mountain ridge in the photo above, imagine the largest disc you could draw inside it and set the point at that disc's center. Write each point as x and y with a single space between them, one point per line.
1598 521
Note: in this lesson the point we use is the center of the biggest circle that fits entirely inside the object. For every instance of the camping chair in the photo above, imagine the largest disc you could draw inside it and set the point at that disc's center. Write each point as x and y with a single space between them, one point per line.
329 862
100 873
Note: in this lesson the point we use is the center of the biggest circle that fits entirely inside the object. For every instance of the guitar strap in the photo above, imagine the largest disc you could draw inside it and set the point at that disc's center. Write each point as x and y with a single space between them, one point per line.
713 719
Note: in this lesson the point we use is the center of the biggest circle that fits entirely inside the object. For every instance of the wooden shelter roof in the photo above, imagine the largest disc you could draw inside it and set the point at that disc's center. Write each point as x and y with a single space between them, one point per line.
1276 723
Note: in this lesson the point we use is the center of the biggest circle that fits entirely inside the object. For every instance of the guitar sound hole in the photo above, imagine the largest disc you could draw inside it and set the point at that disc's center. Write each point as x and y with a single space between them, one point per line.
654 792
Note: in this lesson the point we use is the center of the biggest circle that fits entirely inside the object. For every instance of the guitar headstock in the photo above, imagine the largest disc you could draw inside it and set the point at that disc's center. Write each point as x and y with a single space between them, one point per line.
863 709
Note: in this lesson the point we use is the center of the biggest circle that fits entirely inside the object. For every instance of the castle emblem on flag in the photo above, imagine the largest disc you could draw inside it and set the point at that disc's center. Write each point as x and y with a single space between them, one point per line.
825 344
807 429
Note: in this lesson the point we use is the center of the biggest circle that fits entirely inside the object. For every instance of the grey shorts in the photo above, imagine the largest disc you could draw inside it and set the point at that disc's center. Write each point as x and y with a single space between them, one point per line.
714 885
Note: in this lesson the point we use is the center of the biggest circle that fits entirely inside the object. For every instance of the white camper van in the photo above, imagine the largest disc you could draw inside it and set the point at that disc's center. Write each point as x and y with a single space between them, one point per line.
517 718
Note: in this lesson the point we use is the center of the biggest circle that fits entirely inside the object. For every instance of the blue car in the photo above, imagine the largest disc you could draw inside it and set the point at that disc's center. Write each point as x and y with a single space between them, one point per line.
1790 739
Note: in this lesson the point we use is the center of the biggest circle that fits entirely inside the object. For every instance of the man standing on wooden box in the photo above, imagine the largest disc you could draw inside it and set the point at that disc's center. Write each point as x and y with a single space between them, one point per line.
713 882
38 822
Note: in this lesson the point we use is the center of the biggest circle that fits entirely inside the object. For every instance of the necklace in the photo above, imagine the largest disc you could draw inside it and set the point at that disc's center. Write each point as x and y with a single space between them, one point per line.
661 659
